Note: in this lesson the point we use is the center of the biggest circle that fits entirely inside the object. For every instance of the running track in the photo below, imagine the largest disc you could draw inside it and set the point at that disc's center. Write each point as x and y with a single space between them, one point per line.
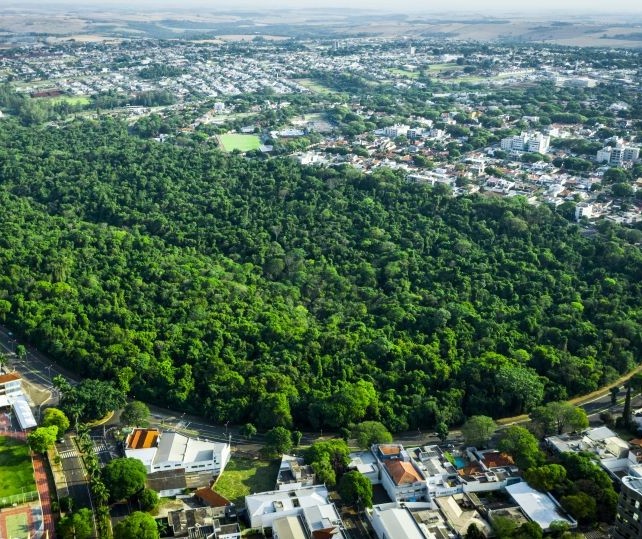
40 472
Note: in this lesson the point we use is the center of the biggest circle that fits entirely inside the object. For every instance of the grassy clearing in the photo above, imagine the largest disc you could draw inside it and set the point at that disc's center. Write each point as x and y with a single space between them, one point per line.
72 99
404 73
443 67
16 471
314 86
244 143
244 476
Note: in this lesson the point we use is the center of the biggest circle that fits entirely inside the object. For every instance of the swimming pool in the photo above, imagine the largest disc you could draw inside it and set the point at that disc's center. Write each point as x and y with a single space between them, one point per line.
460 463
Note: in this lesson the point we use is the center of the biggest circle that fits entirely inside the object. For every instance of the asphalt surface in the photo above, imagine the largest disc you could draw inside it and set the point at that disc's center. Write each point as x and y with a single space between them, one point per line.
75 474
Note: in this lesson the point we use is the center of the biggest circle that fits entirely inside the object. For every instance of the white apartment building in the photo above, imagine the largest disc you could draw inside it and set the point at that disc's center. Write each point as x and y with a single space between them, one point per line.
396 130
618 155
534 142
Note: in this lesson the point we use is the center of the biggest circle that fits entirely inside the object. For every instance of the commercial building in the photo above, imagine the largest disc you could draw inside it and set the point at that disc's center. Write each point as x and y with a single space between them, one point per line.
296 513
539 507
12 396
165 450
628 519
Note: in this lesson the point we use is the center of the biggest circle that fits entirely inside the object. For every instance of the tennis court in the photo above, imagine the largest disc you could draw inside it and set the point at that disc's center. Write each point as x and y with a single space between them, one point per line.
15 523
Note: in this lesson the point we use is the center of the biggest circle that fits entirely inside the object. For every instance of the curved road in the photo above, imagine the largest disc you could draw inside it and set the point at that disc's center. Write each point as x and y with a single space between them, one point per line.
39 370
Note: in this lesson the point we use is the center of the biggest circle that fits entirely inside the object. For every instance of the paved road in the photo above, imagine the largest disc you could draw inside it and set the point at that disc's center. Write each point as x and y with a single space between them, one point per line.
75 473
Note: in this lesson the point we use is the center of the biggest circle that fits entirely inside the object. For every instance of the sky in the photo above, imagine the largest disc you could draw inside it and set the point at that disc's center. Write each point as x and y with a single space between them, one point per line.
416 6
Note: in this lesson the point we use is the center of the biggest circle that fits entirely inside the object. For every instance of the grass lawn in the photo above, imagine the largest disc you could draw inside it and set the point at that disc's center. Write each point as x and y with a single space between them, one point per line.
72 99
404 73
244 476
314 86
244 143
16 471
444 67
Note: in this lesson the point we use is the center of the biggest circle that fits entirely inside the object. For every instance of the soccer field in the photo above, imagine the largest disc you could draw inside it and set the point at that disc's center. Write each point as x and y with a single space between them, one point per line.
244 143
16 471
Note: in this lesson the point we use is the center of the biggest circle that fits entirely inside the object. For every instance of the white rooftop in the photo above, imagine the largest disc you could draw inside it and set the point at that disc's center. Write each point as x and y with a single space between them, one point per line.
539 507
398 523
599 433
288 528
174 447
23 412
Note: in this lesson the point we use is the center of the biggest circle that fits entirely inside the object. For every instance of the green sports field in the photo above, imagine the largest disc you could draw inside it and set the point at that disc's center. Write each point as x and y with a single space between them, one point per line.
16 471
17 526
243 143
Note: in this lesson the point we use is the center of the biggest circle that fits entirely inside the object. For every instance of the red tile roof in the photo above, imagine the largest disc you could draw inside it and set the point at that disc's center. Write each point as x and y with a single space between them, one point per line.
495 459
9 377
211 497
402 473
389 449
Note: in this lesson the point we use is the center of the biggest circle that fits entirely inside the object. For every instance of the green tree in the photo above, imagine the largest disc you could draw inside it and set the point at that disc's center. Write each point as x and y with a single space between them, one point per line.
355 489
478 430
135 414
371 432
138 525
581 506
529 530
546 477
54 416
278 441
324 472
473 532
248 430
296 438
336 452
503 527
78 525
520 443
21 352
90 399
42 438
442 431
124 477
148 499
559 417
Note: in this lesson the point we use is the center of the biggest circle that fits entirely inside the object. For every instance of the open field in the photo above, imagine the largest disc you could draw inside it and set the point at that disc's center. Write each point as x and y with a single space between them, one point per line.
243 143
314 86
443 67
71 99
404 73
16 471
244 476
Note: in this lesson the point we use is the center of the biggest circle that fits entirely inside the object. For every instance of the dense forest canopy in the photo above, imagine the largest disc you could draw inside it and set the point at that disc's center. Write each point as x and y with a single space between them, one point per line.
260 290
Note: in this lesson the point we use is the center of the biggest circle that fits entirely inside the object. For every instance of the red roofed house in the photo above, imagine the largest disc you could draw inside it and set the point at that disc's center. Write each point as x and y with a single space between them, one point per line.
401 478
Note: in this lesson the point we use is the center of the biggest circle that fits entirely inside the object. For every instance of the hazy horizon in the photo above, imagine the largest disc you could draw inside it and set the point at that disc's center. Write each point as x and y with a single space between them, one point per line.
494 7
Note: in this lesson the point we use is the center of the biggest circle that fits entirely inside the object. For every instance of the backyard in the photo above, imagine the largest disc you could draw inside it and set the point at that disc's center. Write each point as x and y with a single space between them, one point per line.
16 471
245 476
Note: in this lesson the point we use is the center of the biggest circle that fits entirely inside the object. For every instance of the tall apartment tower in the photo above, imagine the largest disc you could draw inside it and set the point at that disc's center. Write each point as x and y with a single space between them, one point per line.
628 522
